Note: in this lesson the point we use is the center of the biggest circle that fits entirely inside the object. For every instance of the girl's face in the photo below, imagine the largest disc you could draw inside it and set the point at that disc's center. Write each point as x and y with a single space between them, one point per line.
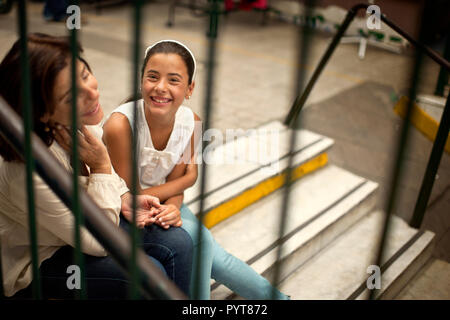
165 84
88 107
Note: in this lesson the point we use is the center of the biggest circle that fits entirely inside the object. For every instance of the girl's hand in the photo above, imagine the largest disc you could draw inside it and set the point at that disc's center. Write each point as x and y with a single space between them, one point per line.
91 150
169 216
146 209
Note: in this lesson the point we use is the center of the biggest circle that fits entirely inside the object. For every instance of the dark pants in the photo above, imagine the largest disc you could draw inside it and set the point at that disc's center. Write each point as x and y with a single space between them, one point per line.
55 10
170 250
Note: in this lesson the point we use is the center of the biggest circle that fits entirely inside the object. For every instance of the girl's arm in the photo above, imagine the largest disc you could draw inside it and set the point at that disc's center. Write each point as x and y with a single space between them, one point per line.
184 174
117 137
171 215
182 177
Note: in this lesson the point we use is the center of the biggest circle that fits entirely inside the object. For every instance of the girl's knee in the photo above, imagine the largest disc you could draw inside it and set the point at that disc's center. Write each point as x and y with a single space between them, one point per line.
192 229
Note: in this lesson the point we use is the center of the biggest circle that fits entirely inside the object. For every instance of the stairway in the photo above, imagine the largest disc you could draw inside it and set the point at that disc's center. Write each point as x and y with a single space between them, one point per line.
332 230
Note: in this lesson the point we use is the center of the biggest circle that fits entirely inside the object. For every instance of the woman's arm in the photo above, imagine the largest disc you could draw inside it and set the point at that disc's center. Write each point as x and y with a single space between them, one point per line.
53 215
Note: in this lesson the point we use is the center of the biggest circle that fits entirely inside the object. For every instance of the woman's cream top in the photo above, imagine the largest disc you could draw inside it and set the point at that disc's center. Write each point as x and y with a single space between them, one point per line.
54 221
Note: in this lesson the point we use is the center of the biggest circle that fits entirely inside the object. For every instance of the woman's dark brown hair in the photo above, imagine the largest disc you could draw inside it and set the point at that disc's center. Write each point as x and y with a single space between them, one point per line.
47 55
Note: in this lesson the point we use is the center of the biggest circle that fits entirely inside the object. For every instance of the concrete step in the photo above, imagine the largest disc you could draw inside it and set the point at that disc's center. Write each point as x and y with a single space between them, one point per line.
322 205
251 166
432 105
426 115
340 271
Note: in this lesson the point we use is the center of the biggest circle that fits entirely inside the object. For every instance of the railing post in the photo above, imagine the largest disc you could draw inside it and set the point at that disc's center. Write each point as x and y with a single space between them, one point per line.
443 74
401 149
432 167
78 255
29 163
300 100
135 234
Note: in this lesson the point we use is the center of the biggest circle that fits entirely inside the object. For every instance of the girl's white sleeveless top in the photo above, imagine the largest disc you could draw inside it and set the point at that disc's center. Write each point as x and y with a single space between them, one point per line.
155 165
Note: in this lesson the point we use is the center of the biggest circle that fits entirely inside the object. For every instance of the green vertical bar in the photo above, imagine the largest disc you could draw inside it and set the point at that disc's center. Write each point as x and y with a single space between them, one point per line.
304 36
27 122
79 294
212 35
301 99
135 234
400 153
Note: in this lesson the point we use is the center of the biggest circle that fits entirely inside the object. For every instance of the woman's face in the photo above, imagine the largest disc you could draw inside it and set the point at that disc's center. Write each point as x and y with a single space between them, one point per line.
165 84
88 107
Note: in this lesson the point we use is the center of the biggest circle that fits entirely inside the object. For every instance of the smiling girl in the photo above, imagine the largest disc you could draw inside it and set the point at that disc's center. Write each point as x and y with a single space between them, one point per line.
165 138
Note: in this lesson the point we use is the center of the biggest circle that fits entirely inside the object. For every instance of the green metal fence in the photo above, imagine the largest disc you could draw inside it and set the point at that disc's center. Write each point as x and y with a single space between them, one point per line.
146 278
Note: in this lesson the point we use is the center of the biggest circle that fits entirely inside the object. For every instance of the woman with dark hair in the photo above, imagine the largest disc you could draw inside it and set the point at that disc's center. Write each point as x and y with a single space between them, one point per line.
170 250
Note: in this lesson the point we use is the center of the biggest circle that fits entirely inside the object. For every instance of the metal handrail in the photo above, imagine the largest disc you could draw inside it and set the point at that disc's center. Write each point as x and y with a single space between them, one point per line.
153 283
300 100
436 153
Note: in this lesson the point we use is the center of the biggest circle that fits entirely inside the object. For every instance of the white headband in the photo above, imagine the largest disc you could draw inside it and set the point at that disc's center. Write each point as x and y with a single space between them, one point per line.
177 42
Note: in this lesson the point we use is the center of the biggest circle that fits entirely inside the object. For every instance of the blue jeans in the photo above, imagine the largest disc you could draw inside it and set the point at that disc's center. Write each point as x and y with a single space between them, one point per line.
223 267
170 250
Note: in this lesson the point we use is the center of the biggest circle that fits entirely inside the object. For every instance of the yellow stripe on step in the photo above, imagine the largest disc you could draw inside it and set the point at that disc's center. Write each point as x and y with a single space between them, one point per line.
421 120
233 206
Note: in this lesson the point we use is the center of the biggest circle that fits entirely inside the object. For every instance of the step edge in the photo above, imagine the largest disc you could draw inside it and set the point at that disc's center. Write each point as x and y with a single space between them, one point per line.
327 143
401 278
360 209
364 205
